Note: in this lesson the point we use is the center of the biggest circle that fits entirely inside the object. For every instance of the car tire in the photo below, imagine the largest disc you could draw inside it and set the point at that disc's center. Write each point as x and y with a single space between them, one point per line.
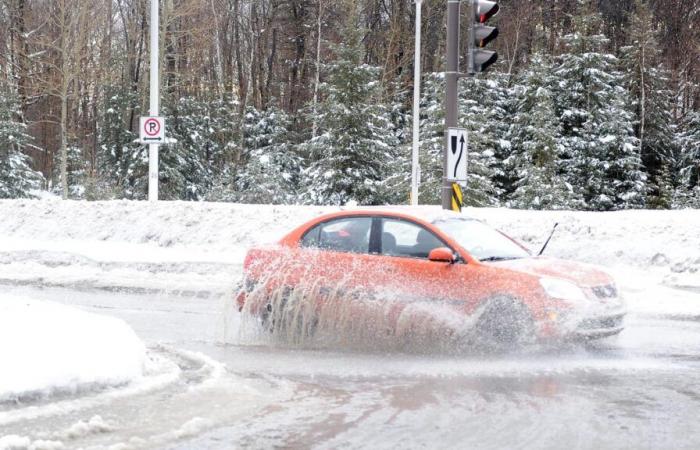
504 325
294 326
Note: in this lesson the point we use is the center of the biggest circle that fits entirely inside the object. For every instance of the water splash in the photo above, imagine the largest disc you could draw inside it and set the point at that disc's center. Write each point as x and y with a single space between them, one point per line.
312 315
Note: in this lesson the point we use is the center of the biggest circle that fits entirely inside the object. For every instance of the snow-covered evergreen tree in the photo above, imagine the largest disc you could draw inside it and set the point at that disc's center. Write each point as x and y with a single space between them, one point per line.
690 145
17 179
200 132
398 184
597 137
689 185
122 162
272 172
663 197
432 138
651 100
77 171
481 112
477 105
185 172
352 155
534 135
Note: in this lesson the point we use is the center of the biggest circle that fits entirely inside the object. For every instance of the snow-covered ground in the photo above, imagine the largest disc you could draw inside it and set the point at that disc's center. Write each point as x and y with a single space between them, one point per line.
47 347
187 246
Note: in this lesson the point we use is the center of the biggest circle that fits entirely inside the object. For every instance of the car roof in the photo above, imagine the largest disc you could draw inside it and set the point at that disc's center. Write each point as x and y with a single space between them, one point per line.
428 213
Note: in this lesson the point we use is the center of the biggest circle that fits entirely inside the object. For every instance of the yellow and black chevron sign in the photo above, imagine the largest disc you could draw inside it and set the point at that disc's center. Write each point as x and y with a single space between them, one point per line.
457 197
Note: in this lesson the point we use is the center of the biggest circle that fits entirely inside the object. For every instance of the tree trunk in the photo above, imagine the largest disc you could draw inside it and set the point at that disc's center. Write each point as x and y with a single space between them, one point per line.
317 80
237 50
218 65
642 105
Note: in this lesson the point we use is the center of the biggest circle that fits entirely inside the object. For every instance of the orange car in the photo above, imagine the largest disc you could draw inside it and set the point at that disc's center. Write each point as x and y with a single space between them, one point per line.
402 263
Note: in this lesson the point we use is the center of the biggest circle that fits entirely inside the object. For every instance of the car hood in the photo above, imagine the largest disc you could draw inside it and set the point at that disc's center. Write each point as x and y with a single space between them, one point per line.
584 275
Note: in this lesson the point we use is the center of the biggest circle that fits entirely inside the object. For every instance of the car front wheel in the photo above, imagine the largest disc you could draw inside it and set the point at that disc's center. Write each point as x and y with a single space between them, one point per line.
505 324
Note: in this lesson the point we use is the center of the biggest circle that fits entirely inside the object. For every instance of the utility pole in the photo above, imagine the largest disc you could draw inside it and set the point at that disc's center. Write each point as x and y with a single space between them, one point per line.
415 166
154 102
451 94
478 60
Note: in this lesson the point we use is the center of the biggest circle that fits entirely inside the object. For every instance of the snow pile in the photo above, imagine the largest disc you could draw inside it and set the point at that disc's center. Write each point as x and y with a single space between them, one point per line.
15 442
193 427
81 428
216 228
648 239
198 246
46 347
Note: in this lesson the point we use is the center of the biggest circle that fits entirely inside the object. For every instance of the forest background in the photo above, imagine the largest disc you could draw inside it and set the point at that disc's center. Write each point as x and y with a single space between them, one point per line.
592 105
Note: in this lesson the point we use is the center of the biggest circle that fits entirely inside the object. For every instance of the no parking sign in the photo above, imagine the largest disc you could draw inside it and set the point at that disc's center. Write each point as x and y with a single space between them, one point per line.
152 130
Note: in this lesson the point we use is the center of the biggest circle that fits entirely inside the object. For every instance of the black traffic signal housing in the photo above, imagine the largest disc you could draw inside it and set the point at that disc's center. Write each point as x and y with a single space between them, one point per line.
481 35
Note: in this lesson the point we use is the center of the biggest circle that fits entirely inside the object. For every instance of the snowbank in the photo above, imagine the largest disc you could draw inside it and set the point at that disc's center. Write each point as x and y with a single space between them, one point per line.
47 347
200 246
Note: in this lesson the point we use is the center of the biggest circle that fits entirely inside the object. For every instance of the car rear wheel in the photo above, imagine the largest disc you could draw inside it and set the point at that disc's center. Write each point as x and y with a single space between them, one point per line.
289 317
505 324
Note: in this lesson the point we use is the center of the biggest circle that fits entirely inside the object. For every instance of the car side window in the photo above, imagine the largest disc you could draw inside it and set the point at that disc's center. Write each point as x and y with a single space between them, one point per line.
407 239
310 238
340 235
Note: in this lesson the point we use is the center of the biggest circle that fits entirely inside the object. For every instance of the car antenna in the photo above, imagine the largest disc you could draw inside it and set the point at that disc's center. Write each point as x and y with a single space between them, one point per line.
547 241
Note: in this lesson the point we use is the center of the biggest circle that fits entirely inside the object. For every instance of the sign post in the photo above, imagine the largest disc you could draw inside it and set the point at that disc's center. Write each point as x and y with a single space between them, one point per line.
149 124
478 60
451 93
415 165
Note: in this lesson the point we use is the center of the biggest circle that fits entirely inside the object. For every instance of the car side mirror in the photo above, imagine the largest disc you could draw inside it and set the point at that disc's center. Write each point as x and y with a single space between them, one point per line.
441 254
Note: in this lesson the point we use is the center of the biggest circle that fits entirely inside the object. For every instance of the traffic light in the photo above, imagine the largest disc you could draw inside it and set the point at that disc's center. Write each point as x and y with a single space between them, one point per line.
482 34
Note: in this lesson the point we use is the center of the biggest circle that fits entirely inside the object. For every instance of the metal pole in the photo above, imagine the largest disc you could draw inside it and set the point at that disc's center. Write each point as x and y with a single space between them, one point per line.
155 102
451 92
472 38
415 167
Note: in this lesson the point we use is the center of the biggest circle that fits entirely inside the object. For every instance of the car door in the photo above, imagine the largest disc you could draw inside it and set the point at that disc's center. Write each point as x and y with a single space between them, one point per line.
338 262
420 289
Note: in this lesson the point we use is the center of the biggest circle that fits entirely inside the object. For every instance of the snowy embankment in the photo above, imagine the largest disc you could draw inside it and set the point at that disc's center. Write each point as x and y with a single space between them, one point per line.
199 247
46 347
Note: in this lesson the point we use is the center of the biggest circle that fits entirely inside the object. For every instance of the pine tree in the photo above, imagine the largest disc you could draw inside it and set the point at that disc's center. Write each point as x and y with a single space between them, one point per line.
352 155
663 197
534 144
597 137
122 162
687 193
480 112
17 179
651 99
398 183
77 173
184 170
231 158
432 138
201 134
690 148
272 173
477 114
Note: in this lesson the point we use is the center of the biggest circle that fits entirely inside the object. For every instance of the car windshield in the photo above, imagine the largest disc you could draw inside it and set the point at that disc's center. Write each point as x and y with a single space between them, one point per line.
480 240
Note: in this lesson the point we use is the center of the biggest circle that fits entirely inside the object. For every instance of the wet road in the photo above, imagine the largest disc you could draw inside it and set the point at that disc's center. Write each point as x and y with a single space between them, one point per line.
215 389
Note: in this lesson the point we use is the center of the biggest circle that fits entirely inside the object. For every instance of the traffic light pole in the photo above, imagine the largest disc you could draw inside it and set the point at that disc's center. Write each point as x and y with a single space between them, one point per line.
451 94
